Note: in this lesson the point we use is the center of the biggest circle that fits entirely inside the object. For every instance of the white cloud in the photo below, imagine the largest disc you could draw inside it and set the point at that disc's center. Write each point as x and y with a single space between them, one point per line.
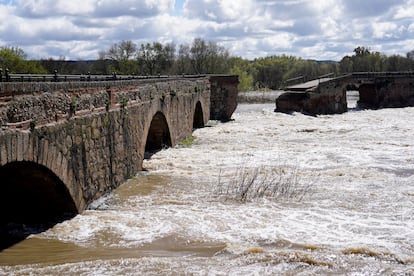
248 28
277 41
219 10
370 8
405 11
96 8
237 10
384 30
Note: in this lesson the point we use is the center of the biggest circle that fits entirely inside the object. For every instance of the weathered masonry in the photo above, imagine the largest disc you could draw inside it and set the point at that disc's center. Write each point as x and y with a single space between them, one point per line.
328 95
65 144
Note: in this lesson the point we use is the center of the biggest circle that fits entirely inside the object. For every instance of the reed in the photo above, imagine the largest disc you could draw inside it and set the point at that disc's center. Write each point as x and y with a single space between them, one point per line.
281 182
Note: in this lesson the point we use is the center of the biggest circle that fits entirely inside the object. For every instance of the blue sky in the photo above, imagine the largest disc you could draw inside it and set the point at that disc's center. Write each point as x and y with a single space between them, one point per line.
178 7
328 29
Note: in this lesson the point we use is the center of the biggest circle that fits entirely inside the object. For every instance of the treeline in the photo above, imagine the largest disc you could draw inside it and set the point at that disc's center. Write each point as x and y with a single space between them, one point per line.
126 58
202 57
274 72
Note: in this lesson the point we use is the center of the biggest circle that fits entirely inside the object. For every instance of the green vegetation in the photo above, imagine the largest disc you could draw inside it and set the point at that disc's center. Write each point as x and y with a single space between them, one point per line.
73 106
272 72
202 57
14 59
187 141
123 102
154 58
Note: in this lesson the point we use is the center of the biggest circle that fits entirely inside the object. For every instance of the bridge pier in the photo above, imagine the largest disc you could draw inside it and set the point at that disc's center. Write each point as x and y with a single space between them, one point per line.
387 93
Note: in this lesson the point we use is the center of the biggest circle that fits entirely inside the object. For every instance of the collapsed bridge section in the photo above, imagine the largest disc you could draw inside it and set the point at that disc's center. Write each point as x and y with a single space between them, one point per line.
328 95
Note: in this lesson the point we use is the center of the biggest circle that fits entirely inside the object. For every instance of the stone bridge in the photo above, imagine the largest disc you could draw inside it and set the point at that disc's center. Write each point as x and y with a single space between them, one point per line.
328 95
65 144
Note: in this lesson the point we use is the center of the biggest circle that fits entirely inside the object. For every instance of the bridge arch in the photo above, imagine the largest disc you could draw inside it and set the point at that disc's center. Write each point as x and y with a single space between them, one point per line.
352 94
32 199
198 118
31 193
363 94
158 135
32 151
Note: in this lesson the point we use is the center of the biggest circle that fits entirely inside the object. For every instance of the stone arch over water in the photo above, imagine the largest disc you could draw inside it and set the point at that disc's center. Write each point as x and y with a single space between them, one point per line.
159 135
198 120
366 94
31 196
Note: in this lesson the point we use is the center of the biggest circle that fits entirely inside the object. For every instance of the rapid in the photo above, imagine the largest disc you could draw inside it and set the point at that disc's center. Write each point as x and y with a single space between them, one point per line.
357 218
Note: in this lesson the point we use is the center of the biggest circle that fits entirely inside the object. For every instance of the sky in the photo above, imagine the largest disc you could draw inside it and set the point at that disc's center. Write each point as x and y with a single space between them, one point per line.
310 29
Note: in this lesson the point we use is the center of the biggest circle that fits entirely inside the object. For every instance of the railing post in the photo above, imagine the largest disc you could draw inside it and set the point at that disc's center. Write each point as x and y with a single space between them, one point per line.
114 75
1 74
7 75
89 76
55 76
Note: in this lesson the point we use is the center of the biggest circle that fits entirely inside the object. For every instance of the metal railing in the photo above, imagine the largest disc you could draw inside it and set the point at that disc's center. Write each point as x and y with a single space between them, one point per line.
7 77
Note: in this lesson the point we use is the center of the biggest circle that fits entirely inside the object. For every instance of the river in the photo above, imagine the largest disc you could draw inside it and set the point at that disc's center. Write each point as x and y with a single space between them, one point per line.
183 216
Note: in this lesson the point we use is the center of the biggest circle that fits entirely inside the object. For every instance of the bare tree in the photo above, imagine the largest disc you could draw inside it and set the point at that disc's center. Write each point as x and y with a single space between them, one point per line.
199 53
169 57
183 64
123 51
208 57
150 57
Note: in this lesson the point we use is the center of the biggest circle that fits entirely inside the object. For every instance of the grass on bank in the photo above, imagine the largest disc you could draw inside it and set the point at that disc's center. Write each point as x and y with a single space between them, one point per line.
187 142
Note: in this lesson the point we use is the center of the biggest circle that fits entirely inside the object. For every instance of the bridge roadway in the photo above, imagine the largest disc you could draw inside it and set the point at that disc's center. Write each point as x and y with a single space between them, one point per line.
65 144
328 95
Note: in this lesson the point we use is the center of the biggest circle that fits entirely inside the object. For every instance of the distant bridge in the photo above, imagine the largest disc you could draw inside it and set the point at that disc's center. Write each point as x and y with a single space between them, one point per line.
64 144
327 95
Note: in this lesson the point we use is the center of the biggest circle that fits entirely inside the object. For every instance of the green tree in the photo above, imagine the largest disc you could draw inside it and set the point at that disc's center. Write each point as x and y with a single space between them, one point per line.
122 51
410 55
346 65
364 61
361 51
198 55
208 57
399 63
183 62
243 69
122 54
272 72
15 60
151 58
217 59
169 59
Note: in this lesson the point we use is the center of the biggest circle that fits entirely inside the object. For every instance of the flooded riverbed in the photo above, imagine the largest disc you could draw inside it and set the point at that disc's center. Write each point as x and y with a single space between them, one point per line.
357 218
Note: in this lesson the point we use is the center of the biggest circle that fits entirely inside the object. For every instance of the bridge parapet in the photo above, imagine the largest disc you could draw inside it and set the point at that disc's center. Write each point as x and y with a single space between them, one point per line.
40 103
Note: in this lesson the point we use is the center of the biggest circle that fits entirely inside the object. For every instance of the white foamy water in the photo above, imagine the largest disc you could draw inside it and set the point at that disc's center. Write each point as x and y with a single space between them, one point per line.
358 218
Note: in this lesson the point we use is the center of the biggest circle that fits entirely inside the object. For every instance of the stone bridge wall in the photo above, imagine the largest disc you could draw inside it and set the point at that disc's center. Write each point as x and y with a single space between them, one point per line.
223 97
383 93
93 136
